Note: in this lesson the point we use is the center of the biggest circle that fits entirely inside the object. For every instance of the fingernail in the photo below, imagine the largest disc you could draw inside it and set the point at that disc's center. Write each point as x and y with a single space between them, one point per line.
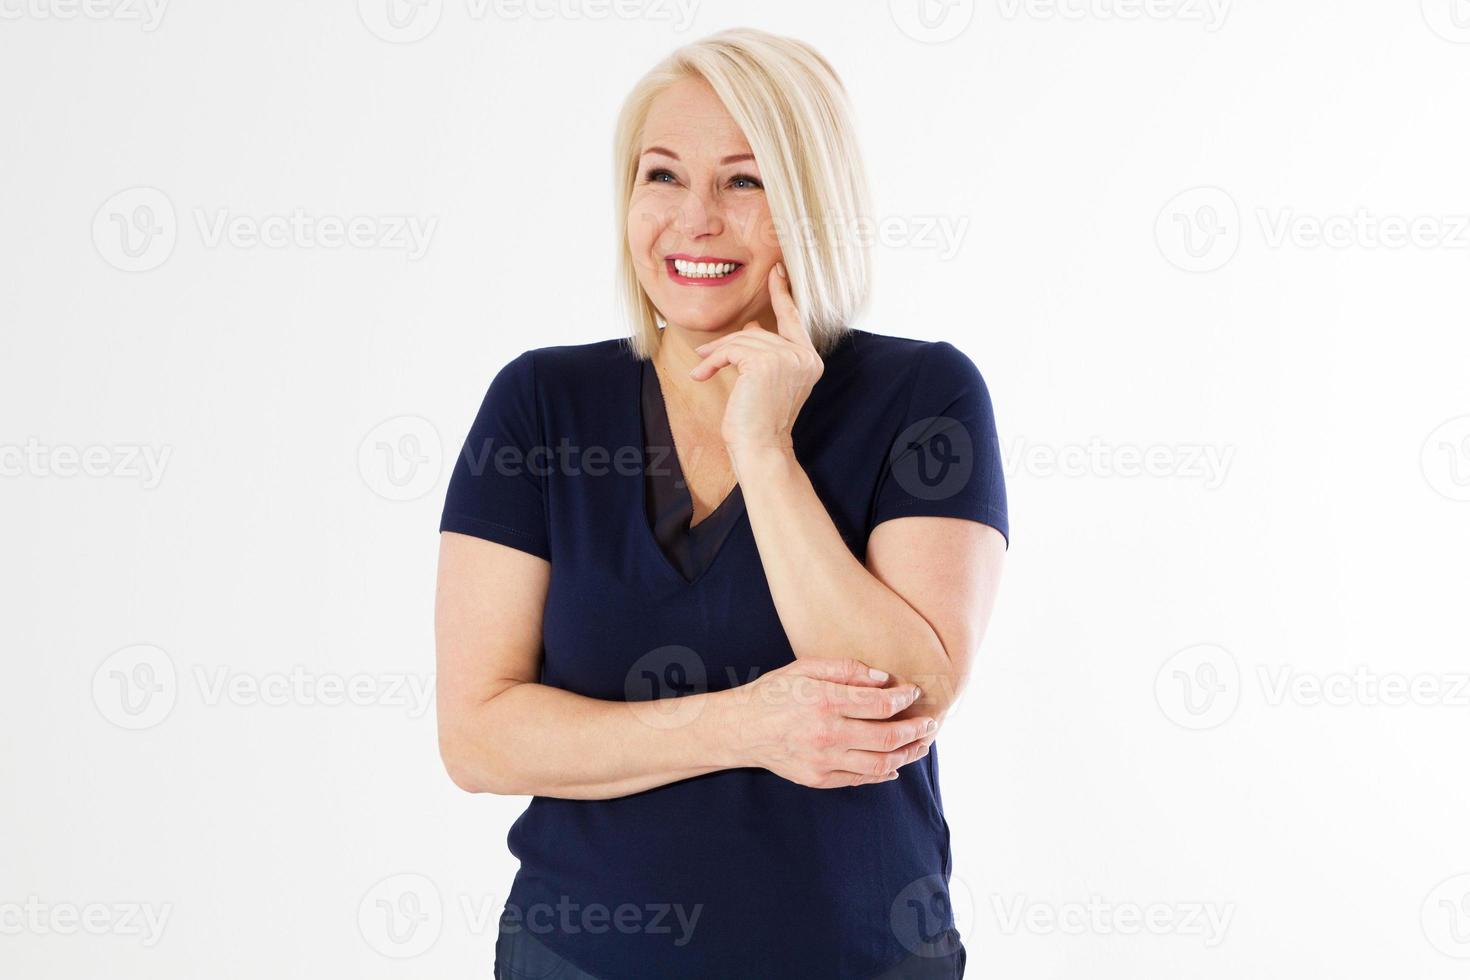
893 775
781 269
917 691
877 675
930 725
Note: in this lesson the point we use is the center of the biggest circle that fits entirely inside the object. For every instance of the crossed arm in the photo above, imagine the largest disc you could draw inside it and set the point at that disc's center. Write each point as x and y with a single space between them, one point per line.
869 641
502 732
919 607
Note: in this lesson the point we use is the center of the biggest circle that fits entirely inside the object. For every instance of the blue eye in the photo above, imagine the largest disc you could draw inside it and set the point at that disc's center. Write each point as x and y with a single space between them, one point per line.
739 181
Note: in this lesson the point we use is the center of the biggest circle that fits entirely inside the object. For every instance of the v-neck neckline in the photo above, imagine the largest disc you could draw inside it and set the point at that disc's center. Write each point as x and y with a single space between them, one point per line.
734 499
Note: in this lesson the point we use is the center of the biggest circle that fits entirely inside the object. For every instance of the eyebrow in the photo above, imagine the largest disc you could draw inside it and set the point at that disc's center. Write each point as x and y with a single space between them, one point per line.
736 158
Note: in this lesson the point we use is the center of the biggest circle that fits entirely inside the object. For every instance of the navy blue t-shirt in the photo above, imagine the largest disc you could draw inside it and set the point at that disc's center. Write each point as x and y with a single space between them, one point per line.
735 874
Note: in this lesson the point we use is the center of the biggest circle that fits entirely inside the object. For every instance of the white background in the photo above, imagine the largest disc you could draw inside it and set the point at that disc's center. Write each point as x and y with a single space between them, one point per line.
1233 233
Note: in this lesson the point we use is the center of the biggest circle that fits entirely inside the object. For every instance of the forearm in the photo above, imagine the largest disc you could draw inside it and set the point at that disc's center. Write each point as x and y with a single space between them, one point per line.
535 740
828 602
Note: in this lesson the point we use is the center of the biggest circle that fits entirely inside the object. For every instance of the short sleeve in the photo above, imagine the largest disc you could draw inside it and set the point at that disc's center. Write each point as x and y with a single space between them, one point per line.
945 460
497 490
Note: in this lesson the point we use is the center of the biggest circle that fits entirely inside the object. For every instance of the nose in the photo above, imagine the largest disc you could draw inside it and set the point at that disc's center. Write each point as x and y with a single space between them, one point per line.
699 215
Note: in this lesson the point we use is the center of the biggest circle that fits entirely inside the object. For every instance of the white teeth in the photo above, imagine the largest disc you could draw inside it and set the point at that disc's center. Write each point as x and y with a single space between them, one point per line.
704 270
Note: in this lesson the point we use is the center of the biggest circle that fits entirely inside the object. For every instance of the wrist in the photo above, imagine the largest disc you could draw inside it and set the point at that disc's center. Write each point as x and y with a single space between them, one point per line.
759 461
722 730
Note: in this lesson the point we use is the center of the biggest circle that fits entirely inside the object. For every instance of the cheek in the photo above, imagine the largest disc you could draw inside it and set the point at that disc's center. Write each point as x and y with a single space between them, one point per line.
648 217
758 228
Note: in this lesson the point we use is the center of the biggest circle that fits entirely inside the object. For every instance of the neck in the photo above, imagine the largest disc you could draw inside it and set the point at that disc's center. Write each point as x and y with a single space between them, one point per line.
676 358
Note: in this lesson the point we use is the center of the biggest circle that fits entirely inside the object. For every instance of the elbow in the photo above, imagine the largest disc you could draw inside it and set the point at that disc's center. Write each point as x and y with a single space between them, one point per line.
937 700
941 688
461 772
473 769
473 761
462 775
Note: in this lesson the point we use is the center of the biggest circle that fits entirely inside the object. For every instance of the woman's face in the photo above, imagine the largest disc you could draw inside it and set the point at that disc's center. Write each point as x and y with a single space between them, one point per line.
698 198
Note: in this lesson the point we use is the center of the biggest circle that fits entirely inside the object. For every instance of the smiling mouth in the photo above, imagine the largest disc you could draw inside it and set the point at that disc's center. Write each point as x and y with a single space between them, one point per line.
702 272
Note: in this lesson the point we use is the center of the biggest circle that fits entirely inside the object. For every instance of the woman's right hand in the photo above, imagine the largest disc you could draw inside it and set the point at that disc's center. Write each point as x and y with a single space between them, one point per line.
827 722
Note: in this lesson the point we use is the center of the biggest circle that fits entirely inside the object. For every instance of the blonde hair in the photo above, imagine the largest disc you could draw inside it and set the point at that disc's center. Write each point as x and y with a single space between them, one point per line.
793 110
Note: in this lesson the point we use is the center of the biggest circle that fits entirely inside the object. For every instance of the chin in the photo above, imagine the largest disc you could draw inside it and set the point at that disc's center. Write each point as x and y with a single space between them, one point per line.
700 321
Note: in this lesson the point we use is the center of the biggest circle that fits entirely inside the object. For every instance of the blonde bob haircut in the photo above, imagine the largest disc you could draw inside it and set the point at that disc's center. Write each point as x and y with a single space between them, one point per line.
793 110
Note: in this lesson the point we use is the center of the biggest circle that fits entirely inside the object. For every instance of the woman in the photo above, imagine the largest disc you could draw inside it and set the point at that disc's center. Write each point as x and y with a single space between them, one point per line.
706 595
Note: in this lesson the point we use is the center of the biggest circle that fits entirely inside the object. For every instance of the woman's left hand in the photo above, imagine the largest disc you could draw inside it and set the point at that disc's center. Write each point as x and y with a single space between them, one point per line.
776 374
